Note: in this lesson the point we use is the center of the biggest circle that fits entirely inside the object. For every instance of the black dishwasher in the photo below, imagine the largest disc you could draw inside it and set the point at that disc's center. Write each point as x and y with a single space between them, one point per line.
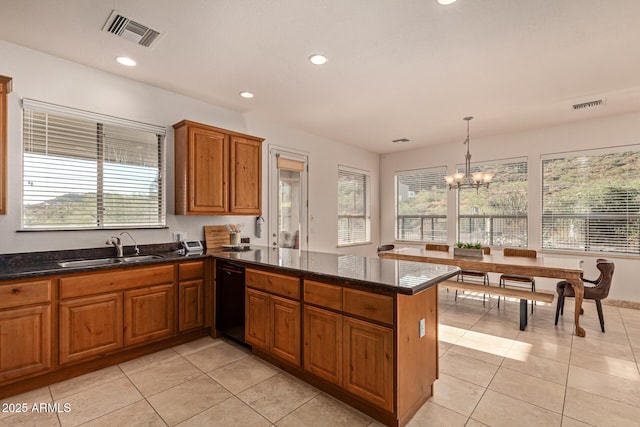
230 299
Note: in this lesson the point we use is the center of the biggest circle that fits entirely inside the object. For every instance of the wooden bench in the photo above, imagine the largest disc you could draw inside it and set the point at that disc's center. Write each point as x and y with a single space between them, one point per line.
523 295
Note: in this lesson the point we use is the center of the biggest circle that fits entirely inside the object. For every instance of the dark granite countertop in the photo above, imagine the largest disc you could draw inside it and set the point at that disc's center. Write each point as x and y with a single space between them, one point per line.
403 277
36 264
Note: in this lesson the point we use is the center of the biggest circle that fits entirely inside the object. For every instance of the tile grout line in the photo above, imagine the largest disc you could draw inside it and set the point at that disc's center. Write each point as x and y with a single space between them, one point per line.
142 394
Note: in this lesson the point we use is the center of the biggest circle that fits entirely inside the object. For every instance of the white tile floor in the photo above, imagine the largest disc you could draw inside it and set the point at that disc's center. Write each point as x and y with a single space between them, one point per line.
490 374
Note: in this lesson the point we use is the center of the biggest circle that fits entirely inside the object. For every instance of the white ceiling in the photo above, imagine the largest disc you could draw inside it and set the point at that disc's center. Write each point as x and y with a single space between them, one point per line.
397 69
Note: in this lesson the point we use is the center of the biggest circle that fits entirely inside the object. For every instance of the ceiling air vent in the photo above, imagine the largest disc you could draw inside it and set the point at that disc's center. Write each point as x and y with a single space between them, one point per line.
589 104
131 30
401 141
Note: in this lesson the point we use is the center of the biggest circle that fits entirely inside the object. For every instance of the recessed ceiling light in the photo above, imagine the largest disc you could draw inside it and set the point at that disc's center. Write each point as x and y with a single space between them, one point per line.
125 60
318 59
446 2
246 94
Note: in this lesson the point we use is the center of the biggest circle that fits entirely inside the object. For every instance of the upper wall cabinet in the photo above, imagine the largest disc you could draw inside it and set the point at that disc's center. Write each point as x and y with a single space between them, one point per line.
5 88
218 171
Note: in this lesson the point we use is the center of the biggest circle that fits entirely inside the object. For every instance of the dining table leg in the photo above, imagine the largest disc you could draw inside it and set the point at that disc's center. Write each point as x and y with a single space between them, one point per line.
578 289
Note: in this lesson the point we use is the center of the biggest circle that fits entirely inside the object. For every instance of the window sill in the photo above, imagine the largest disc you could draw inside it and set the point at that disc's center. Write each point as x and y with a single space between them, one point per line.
588 254
32 230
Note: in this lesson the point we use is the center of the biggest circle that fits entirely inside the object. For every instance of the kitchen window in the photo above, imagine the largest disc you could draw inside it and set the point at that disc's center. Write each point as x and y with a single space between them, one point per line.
354 216
83 170
496 216
421 205
591 201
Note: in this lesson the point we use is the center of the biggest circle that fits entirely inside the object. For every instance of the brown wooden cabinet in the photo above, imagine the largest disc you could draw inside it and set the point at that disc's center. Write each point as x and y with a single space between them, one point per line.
323 344
285 333
217 171
69 324
25 328
90 326
353 353
5 89
368 361
246 176
190 295
119 308
25 341
273 314
257 319
149 314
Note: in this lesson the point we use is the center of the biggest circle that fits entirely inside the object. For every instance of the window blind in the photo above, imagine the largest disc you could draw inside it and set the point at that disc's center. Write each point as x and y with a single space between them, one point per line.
84 171
353 206
421 205
497 216
591 201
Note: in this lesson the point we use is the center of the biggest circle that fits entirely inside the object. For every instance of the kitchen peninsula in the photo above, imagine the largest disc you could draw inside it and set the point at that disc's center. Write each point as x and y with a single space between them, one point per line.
362 329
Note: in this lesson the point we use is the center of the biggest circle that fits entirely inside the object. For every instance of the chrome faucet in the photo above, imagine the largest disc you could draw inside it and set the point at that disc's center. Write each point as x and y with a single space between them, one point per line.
117 242
135 245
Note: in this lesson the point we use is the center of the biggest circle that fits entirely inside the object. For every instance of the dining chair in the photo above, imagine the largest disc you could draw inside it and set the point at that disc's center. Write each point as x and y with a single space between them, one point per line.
387 247
518 280
436 247
598 292
475 275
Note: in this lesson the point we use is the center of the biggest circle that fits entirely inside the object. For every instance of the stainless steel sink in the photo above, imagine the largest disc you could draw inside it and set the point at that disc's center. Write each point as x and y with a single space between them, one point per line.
96 262
139 258
90 262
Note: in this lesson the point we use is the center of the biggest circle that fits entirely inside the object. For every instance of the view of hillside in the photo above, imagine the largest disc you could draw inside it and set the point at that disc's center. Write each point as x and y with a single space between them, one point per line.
81 210
589 203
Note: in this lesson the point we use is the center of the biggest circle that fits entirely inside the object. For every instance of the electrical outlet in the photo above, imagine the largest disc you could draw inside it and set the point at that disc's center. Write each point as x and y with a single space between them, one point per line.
421 327
179 236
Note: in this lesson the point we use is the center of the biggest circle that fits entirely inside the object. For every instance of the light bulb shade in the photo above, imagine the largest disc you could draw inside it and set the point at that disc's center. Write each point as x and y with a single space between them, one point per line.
487 178
458 176
449 179
478 177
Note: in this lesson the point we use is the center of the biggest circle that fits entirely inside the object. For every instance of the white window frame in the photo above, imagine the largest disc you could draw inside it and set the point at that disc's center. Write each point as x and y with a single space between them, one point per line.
367 206
115 123
581 222
493 222
436 220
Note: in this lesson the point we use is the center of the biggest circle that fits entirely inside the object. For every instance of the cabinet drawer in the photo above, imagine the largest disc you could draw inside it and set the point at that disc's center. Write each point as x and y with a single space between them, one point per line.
323 294
101 282
24 293
278 284
368 305
191 270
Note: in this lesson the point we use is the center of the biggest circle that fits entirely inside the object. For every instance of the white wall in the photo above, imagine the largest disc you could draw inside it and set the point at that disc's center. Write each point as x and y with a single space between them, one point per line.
324 158
51 79
594 133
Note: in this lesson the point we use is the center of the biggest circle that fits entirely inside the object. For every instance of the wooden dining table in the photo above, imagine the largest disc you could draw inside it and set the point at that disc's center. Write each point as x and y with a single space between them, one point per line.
547 266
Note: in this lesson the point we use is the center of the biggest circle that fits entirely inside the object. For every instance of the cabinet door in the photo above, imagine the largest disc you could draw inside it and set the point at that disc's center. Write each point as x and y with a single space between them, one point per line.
207 171
90 326
323 344
257 321
246 176
368 362
191 311
25 341
285 336
148 314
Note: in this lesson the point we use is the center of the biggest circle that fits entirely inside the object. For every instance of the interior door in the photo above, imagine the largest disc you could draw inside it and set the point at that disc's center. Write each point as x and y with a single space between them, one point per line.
288 202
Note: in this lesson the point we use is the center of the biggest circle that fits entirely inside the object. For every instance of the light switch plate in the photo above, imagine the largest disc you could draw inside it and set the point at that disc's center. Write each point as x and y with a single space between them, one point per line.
422 328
